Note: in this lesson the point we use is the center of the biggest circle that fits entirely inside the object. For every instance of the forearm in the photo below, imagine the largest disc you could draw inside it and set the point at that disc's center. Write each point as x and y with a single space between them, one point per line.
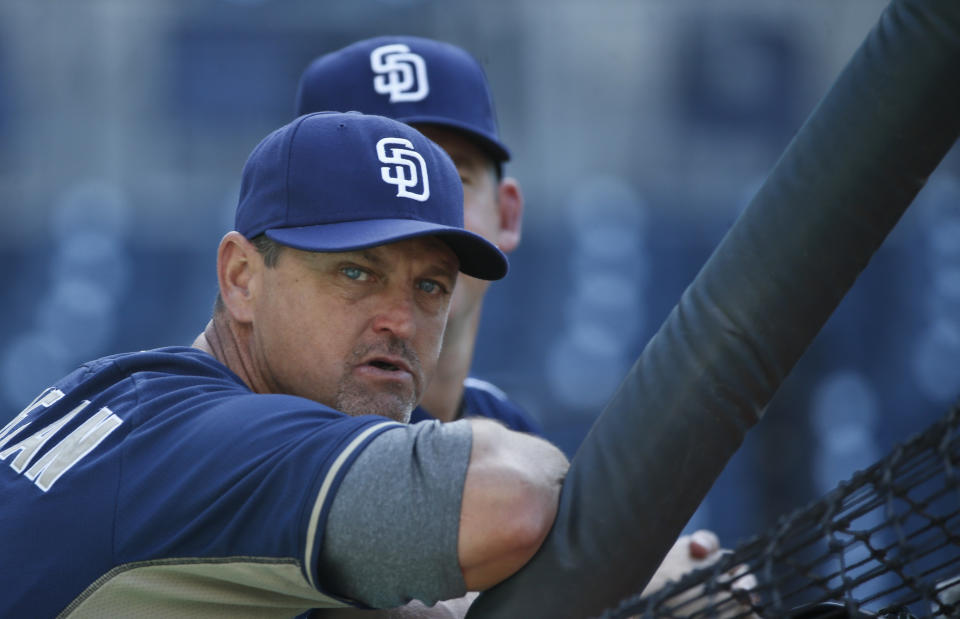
510 500
460 507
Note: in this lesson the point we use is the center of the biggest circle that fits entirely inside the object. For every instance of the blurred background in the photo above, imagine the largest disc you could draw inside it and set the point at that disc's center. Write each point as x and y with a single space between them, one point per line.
639 130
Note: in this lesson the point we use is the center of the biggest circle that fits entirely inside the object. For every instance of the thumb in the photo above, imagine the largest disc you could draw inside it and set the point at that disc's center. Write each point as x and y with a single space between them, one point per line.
703 543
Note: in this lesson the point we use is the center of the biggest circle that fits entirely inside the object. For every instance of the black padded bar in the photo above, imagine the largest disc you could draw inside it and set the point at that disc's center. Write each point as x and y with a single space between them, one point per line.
738 330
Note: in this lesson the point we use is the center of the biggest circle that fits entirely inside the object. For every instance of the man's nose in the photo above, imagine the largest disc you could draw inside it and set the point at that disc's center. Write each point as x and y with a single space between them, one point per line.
396 313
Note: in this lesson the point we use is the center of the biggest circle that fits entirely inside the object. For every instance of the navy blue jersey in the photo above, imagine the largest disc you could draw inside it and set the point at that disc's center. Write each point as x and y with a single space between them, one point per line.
483 399
161 471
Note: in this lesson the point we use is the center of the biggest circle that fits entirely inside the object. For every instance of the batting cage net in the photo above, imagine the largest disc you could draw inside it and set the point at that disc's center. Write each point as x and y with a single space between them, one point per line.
886 543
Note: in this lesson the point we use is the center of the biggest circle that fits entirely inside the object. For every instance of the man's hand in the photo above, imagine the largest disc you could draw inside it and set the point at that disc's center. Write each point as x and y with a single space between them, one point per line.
692 552
447 609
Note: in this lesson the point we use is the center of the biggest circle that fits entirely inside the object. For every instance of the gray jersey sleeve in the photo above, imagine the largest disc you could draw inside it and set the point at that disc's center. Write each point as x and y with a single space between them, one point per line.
391 535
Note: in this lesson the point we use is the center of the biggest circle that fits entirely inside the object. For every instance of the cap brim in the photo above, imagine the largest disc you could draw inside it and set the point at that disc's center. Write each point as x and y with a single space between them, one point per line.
478 257
488 142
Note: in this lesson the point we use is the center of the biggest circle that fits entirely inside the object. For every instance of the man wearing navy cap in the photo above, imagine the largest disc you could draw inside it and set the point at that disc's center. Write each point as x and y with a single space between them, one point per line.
442 91
268 470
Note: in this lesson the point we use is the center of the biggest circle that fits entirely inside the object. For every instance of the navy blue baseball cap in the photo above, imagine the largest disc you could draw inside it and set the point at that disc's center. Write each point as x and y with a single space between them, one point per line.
410 79
334 182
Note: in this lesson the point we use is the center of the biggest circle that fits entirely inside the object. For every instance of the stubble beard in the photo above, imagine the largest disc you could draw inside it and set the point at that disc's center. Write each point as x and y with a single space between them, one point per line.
354 399
392 400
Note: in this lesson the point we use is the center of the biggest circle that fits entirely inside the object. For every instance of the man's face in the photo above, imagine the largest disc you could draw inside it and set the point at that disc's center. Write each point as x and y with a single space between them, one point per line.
481 214
358 331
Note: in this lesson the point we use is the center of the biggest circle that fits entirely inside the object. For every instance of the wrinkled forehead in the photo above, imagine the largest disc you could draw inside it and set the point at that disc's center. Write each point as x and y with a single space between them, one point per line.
431 248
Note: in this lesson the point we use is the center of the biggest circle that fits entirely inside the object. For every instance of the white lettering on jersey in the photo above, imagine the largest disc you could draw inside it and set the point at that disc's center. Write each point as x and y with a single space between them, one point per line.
402 74
29 446
65 454
406 164
13 428
73 448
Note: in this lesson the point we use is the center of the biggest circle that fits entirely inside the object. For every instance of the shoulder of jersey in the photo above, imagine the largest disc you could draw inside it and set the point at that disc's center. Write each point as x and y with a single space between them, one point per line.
476 383
484 399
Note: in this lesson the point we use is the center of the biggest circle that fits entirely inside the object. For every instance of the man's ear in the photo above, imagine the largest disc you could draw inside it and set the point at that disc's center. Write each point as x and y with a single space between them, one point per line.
238 267
510 205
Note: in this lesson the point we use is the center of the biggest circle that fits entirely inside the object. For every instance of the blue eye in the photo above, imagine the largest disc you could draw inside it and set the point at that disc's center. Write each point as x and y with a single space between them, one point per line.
429 286
354 273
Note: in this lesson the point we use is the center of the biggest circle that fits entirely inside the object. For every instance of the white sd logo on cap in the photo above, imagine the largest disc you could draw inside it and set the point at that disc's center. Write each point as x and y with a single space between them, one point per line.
408 169
401 73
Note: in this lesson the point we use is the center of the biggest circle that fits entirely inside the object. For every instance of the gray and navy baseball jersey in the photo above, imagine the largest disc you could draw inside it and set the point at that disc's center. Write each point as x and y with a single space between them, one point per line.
158 482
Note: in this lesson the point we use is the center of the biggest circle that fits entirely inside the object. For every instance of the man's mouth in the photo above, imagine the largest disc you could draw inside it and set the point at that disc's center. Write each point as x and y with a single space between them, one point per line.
384 365
389 363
